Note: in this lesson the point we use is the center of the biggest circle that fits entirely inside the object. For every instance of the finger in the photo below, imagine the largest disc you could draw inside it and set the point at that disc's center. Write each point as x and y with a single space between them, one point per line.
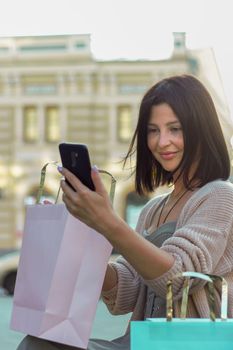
68 202
47 202
69 192
73 209
99 186
73 180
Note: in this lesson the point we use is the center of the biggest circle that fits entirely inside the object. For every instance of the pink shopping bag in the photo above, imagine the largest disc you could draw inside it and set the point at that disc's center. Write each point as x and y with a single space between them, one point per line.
60 276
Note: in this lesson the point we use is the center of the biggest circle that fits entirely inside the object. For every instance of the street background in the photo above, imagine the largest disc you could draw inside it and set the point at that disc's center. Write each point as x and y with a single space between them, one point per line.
120 31
106 326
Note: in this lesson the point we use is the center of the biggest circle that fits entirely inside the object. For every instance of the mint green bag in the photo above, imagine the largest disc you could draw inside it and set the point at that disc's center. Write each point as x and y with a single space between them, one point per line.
186 334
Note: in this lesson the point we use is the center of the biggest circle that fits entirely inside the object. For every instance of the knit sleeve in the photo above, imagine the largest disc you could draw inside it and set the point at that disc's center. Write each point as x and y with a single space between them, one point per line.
201 239
122 298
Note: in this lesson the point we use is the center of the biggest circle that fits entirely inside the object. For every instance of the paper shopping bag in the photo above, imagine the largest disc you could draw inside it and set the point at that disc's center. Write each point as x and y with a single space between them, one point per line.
60 276
182 333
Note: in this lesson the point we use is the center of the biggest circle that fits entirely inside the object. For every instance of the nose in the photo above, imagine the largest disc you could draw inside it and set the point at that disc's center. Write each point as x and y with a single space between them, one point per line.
164 139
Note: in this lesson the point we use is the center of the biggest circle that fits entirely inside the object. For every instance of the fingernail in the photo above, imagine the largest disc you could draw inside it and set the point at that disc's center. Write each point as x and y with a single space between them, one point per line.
95 168
59 168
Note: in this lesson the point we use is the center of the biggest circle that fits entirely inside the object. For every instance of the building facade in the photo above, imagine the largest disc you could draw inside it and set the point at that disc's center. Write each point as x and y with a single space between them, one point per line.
52 90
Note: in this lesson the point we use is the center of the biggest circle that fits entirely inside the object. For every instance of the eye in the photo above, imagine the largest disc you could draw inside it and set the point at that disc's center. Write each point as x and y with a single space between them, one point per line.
176 129
152 130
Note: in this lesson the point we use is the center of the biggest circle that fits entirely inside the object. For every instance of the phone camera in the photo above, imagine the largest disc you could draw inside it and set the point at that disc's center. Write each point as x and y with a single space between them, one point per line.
74 156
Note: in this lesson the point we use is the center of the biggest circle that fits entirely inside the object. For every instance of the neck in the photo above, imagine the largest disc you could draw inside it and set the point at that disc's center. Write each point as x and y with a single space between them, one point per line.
178 187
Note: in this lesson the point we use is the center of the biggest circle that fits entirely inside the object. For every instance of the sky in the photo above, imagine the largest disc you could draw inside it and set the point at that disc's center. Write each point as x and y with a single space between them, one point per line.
133 29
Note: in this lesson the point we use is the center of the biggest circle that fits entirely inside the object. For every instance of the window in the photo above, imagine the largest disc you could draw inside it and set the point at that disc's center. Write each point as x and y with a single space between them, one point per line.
80 83
80 45
30 124
95 84
1 86
34 48
132 89
39 84
128 84
40 89
52 124
124 123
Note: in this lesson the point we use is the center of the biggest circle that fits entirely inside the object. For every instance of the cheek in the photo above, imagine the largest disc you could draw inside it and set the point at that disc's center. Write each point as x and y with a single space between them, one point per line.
179 141
148 142
151 142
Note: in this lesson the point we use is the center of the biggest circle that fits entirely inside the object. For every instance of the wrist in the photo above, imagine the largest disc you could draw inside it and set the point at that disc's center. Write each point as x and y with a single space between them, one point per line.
111 226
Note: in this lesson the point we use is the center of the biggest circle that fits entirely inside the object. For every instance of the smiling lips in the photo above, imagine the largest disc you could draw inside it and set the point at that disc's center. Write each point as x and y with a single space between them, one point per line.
167 155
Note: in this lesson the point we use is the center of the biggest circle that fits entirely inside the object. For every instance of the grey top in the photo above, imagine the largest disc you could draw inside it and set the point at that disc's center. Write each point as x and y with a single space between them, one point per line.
156 306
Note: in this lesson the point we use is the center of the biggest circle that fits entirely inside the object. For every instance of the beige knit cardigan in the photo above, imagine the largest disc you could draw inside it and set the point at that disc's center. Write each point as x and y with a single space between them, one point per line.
202 242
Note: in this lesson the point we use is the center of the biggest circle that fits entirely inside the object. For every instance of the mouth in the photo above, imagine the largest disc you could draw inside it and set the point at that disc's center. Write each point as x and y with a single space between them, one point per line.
167 155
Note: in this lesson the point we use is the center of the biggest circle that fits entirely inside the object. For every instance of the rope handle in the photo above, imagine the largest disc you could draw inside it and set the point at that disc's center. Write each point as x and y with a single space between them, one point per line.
42 182
210 295
43 176
113 184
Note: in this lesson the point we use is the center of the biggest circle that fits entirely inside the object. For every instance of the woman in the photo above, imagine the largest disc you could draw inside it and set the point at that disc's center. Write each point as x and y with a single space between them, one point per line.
178 141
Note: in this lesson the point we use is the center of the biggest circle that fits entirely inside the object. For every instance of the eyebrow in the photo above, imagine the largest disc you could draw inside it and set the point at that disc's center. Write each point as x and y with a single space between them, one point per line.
170 123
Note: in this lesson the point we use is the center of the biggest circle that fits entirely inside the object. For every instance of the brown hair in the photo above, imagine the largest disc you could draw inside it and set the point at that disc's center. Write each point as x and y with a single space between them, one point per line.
202 133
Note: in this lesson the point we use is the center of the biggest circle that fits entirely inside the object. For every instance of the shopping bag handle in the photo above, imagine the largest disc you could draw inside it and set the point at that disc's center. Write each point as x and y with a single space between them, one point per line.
188 275
113 184
42 181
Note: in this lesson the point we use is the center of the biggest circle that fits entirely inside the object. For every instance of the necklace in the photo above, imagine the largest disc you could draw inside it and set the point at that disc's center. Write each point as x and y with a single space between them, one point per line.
169 211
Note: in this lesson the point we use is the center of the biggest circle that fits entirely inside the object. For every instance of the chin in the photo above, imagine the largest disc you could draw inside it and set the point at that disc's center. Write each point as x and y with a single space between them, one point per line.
170 168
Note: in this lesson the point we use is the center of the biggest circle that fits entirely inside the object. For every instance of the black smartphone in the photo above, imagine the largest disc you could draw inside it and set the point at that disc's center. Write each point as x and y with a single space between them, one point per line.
75 158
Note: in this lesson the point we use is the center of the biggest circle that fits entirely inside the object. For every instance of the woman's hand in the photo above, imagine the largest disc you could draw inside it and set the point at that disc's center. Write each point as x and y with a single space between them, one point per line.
91 207
95 209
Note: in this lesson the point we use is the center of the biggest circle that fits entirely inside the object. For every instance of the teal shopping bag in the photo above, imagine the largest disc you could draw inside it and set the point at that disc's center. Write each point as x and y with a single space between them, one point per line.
186 334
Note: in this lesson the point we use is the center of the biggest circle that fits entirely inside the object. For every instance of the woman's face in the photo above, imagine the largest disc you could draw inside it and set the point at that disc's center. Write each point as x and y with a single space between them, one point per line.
165 137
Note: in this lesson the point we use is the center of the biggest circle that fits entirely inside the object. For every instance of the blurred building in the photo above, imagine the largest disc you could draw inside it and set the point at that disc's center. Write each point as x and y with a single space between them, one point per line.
51 90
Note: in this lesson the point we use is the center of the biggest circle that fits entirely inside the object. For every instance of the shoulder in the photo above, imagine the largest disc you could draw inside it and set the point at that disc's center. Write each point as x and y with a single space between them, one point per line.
214 197
219 184
215 189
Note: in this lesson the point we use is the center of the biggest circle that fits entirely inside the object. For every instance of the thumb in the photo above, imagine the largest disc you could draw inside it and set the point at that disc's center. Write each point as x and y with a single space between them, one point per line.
47 202
99 186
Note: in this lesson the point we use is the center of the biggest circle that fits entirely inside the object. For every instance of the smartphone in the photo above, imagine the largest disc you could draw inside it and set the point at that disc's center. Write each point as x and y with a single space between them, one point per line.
75 158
